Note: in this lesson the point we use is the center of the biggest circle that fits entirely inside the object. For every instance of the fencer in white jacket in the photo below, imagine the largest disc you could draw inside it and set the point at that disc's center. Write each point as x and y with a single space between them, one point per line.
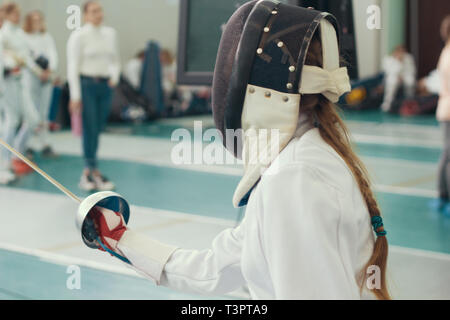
18 106
42 45
308 227
306 234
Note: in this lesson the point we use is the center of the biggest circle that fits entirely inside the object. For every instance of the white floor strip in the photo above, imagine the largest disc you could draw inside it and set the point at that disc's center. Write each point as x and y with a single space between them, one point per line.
157 152
63 260
406 191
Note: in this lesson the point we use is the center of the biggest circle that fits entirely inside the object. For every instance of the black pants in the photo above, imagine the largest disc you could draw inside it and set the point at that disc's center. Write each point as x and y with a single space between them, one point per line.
444 165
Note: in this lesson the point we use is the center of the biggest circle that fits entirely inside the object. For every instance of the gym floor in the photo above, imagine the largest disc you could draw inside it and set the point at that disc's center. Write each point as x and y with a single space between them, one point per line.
189 205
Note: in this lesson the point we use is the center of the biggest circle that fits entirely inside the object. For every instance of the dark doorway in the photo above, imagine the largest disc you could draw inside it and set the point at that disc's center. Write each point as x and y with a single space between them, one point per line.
423 30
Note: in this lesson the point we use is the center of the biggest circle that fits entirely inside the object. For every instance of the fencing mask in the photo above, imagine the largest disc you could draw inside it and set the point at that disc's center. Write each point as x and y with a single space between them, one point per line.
260 75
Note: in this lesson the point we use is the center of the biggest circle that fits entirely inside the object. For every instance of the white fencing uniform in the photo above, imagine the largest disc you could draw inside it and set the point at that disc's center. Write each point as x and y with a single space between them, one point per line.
42 44
306 235
397 73
307 232
17 103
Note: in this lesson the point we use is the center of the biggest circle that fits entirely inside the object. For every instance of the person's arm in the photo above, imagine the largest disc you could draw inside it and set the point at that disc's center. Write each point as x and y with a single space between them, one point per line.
114 68
212 271
25 56
73 70
53 54
444 73
301 240
2 67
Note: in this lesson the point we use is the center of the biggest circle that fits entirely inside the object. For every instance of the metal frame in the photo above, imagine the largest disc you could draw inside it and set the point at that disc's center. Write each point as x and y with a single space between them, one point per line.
192 78
184 77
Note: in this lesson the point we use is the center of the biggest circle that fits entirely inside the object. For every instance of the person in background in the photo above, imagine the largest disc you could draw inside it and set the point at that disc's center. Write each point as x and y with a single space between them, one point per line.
93 70
181 100
443 116
169 70
6 178
133 70
399 69
17 103
43 51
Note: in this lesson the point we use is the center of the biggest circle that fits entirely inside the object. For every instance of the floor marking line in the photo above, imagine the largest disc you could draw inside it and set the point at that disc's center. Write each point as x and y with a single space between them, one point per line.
416 181
14 294
420 253
406 191
395 141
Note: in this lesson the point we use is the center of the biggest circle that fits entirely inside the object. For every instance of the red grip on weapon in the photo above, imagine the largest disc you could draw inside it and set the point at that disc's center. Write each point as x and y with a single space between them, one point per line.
103 230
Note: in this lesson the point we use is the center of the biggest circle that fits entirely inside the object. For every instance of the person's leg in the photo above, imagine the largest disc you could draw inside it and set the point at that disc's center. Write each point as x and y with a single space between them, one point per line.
444 190
443 171
11 120
11 117
104 104
390 90
29 114
90 120
34 87
105 101
409 83
45 101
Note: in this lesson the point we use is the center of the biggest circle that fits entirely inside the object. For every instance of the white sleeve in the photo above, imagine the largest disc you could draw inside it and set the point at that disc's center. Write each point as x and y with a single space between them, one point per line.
53 53
25 54
73 66
212 271
300 236
410 65
2 66
115 65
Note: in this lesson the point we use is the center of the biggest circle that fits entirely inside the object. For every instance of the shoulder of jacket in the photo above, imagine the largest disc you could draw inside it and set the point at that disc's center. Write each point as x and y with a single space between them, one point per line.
314 157
109 30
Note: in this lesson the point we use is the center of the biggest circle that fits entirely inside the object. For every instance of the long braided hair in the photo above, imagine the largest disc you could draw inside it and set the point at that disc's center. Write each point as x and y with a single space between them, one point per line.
333 130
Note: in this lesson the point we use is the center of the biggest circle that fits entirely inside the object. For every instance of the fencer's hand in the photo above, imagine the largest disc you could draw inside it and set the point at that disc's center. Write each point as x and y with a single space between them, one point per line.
110 226
75 106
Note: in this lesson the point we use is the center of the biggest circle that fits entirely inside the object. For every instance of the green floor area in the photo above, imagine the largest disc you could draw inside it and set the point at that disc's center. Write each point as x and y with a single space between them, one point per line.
25 277
381 117
411 153
409 221
163 128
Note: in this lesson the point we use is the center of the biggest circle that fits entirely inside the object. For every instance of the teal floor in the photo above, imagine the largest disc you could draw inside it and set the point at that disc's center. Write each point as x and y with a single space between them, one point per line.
49 282
408 220
379 117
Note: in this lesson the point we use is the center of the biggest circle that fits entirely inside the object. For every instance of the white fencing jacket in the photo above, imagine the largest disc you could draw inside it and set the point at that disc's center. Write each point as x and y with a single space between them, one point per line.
306 234
43 44
92 51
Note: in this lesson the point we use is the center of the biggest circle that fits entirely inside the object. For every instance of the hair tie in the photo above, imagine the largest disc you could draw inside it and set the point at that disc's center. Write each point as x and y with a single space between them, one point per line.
377 222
